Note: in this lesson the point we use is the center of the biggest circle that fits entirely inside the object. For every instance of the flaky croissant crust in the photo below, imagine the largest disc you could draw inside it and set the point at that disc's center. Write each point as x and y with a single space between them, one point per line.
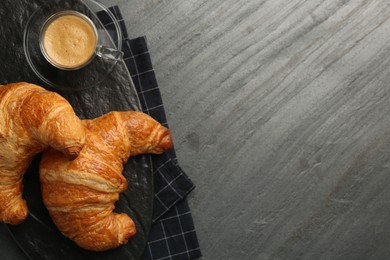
80 194
31 119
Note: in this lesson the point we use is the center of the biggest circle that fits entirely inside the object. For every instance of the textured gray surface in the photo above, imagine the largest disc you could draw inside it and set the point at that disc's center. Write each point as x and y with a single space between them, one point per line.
280 115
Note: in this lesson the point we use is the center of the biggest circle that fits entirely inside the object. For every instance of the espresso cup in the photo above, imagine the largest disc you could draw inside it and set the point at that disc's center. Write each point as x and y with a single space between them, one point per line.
69 40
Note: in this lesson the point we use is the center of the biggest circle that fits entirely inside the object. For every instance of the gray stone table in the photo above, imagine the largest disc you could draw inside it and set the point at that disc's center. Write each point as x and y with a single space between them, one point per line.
280 113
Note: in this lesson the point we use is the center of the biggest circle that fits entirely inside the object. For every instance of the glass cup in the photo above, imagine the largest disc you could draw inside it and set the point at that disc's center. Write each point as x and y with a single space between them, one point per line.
69 40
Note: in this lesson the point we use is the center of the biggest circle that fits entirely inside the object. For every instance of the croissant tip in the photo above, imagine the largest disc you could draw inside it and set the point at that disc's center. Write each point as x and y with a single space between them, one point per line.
16 220
72 152
16 214
166 141
128 228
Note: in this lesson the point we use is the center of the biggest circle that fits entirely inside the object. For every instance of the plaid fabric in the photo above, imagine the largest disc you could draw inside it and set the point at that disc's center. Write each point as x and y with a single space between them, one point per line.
172 234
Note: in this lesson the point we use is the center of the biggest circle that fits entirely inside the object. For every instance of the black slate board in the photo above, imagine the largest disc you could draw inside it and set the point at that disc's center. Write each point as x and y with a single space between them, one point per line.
37 236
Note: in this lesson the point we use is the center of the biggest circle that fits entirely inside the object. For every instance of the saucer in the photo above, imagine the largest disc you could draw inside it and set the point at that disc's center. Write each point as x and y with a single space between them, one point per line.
72 80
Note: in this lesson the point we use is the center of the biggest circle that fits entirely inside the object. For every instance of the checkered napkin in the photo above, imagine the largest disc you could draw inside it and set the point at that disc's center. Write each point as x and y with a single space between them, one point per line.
172 234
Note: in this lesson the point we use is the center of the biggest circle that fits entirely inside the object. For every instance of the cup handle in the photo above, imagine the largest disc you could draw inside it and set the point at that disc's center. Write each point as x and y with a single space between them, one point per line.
108 53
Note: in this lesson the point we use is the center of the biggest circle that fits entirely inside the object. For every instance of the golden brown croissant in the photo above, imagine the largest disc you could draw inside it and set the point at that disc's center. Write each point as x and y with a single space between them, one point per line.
80 194
31 118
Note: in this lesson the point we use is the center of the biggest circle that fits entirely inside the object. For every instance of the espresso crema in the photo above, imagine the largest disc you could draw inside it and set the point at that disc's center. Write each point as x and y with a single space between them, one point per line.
69 41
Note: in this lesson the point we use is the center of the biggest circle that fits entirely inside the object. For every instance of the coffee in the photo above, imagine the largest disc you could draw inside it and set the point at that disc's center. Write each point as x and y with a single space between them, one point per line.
69 40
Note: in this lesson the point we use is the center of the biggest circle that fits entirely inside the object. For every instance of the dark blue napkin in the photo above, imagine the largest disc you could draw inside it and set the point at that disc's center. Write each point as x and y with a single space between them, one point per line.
172 234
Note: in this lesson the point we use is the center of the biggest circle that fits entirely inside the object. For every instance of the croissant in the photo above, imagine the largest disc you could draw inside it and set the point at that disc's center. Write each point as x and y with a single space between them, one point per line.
31 119
80 194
